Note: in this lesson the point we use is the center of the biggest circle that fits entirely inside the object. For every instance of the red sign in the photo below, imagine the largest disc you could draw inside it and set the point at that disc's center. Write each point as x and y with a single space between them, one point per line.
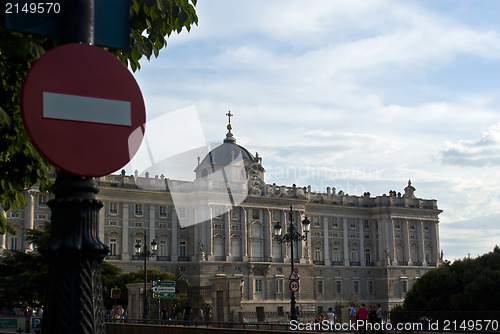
294 275
83 110
294 286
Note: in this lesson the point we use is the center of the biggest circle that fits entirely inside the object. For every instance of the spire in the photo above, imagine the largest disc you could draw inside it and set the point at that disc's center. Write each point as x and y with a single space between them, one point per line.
229 135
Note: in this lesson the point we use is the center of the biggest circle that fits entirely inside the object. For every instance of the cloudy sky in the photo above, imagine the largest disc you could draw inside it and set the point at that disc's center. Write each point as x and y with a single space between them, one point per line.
357 95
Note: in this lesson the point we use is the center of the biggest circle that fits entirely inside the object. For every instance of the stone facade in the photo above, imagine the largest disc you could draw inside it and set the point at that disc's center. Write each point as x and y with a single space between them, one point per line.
370 248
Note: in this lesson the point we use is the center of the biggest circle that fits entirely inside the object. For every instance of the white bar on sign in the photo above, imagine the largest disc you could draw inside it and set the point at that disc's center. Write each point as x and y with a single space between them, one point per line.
86 109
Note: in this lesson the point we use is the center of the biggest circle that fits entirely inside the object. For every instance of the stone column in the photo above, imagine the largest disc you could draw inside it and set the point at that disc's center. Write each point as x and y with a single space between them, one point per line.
421 242
346 242
29 213
381 259
268 234
406 242
390 238
244 233
326 242
227 232
435 241
125 235
362 257
210 245
152 222
175 223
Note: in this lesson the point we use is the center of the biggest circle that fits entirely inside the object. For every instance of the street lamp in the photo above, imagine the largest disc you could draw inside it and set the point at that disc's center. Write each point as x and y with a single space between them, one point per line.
290 236
146 254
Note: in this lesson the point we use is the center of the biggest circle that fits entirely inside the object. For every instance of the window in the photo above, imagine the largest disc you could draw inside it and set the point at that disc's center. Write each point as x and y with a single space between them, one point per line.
397 226
182 213
279 285
338 287
138 209
367 224
220 269
235 227
371 289
279 270
237 269
219 246
280 311
320 287
316 221
14 214
236 247
352 224
258 285
356 287
113 223
163 211
113 208
426 227
255 214
13 243
368 256
41 217
137 224
162 248
182 249
113 245
42 200
317 255
218 226
354 255
370 273
336 254
335 224
404 287
412 227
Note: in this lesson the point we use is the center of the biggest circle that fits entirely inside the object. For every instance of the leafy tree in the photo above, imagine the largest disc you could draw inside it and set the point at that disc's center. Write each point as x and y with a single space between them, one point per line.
464 285
185 293
23 276
21 166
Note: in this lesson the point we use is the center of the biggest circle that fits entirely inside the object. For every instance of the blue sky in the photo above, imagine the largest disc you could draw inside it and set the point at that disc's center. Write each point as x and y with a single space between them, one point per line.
357 95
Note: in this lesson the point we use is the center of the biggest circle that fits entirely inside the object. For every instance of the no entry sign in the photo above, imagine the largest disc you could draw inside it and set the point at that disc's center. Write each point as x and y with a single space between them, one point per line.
83 110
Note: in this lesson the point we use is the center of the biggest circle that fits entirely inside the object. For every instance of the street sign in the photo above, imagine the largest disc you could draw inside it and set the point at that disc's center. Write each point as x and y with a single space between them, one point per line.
164 289
294 286
164 295
83 110
163 283
294 275
116 293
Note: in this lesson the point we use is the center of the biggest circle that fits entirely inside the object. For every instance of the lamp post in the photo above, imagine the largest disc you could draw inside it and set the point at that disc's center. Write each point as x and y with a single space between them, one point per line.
290 236
146 254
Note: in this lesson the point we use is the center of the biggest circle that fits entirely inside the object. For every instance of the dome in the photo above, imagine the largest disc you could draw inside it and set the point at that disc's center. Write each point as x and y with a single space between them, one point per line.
226 154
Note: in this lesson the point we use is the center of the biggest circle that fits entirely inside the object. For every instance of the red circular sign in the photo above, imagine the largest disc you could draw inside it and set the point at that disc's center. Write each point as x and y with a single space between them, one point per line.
294 286
83 110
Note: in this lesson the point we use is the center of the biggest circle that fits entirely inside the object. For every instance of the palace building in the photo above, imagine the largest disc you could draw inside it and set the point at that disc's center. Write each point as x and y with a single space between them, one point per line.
222 224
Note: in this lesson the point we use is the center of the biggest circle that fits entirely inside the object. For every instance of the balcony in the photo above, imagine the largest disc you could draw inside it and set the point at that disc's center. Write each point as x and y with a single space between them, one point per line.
355 264
337 263
319 263
163 258
113 257
183 259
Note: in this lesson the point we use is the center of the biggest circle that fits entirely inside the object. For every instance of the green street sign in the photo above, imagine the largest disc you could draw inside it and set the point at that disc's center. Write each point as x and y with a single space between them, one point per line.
167 295
163 283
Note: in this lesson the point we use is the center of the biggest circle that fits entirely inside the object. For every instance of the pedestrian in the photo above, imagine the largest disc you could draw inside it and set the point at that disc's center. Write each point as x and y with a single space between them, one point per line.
163 315
352 316
363 316
379 318
173 314
372 317
200 313
330 317
186 315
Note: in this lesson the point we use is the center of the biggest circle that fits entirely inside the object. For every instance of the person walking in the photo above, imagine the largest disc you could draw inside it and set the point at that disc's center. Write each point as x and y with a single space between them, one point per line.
379 318
352 316
363 316
186 315
173 314
330 317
